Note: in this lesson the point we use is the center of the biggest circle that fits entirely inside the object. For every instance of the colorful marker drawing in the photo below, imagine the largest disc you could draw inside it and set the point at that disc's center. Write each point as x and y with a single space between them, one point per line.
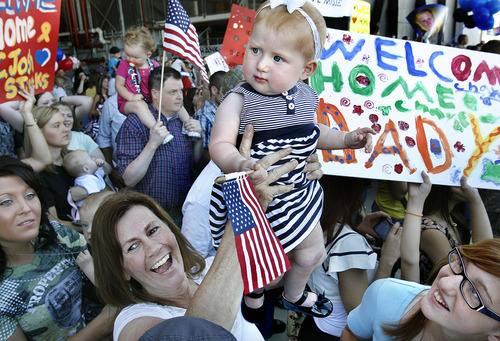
433 108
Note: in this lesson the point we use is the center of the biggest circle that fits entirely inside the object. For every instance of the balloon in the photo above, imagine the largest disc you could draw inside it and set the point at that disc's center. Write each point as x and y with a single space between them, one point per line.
59 55
75 61
478 3
480 15
460 15
466 4
486 24
469 22
57 66
66 64
493 6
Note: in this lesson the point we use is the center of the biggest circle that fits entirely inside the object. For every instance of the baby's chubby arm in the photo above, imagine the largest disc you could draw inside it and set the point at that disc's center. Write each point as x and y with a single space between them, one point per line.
222 146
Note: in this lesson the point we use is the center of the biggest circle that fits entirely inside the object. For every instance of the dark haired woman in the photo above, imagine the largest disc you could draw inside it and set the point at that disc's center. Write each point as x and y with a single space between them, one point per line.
40 282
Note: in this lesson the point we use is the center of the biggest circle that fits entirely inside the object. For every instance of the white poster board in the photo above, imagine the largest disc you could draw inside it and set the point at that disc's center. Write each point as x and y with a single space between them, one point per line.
216 62
334 8
435 108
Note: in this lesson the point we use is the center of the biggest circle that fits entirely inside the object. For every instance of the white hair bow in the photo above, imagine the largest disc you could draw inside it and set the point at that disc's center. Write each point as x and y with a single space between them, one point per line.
291 5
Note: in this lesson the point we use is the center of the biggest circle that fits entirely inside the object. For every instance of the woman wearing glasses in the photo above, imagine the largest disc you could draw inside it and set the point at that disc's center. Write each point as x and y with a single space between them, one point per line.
463 302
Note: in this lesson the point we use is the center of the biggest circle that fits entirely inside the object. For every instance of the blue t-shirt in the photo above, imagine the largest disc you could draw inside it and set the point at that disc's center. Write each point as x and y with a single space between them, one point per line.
113 62
384 302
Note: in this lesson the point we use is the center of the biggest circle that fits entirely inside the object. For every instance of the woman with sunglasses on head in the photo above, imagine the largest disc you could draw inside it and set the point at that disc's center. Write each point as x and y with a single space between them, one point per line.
463 302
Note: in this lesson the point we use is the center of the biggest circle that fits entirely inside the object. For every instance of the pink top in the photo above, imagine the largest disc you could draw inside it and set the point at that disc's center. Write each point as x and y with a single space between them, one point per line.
144 76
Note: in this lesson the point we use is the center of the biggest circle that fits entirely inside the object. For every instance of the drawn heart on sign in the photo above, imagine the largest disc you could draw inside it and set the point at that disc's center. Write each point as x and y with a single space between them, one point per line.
354 19
42 56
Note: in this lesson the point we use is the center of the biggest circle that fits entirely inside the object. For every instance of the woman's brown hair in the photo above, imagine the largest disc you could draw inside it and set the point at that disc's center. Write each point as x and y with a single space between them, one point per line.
484 254
343 202
107 252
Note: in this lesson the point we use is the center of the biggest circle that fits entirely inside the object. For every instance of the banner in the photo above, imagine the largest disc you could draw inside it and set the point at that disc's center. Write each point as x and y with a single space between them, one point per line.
434 108
360 20
215 62
29 31
237 34
334 8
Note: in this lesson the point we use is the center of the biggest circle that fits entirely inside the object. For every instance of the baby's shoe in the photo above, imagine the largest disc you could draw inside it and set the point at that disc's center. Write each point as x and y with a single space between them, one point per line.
193 134
168 138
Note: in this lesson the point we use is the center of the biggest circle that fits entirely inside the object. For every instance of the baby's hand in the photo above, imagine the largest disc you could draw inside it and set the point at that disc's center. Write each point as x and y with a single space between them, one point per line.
136 98
84 261
359 138
99 162
258 176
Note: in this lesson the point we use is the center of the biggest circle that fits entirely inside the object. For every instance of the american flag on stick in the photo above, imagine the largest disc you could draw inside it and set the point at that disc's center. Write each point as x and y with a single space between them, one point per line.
181 38
260 253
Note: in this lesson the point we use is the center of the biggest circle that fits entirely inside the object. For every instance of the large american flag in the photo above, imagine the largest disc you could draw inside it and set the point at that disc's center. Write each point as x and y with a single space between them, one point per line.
260 253
181 38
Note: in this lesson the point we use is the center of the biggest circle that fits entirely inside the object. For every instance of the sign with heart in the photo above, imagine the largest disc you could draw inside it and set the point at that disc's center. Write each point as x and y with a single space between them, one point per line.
42 56
29 33
360 20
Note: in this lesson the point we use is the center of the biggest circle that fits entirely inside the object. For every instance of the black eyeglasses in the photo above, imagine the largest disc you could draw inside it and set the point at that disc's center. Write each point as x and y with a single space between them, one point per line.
469 291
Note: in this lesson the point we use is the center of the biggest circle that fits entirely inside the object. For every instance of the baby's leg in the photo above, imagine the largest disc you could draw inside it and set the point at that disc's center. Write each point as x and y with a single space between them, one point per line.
184 118
306 257
140 108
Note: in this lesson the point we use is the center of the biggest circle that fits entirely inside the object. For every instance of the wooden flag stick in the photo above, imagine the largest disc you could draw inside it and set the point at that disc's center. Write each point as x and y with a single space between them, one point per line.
161 81
221 179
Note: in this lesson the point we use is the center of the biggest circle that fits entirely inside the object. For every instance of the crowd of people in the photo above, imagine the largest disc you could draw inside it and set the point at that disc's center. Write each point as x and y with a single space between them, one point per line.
111 226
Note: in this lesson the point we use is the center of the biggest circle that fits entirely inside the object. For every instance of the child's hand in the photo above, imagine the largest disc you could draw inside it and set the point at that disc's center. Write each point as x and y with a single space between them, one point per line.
136 98
99 162
84 261
359 138
258 176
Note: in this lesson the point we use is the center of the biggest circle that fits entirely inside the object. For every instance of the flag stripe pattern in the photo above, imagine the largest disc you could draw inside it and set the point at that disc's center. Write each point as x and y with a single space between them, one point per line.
261 256
181 38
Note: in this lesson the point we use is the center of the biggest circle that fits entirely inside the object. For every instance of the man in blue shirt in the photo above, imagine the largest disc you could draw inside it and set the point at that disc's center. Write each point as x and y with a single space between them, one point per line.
162 171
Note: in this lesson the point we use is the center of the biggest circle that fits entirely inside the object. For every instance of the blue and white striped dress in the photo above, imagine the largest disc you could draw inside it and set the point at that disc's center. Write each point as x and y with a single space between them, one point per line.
281 121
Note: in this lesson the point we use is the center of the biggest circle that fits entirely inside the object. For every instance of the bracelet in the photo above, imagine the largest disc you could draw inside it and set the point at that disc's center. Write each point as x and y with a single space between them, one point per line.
415 214
31 125
60 98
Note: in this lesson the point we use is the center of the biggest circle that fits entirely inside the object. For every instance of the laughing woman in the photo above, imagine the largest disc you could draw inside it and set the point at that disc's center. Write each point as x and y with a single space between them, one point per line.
144 265
463 302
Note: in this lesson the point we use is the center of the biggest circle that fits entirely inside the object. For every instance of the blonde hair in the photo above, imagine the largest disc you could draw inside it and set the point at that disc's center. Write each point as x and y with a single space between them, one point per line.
140 36
73 162
42 116
294 25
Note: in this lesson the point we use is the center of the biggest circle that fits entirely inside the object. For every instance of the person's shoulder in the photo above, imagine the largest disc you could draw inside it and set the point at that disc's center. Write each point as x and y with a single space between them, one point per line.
397 287
67 236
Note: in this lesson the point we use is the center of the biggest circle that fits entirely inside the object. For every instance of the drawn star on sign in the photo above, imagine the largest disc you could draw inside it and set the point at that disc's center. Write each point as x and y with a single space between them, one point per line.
236 38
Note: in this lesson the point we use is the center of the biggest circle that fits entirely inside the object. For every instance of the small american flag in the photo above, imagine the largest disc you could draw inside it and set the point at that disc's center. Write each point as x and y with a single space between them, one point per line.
181 38
260 253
